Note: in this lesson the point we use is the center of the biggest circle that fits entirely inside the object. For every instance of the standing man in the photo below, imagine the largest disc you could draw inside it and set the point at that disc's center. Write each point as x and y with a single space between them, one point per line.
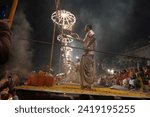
87 64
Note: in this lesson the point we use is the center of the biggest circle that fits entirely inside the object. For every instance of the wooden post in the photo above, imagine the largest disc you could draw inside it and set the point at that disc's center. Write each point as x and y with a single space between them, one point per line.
12 12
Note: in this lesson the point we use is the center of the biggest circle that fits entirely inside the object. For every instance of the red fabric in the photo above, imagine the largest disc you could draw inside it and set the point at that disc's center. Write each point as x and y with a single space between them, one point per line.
148 74
40 80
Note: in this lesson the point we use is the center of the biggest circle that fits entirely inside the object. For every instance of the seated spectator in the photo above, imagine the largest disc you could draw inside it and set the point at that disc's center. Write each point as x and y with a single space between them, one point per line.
147 75
142 75
132 82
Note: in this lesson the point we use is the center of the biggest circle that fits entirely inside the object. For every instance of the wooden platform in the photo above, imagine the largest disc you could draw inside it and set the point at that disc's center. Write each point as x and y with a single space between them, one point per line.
70 90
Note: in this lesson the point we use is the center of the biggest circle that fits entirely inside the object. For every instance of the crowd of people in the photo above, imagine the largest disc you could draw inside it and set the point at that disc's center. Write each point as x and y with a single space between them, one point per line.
132 79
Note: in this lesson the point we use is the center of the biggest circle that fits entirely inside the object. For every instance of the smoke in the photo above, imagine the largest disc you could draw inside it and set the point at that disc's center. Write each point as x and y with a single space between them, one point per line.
111 21
21 52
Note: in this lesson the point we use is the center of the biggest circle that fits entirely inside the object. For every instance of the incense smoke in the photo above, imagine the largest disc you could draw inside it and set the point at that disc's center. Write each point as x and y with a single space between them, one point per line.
21 53
111 21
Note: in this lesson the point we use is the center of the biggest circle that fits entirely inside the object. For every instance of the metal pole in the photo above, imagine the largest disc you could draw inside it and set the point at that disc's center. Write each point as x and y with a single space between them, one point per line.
54 31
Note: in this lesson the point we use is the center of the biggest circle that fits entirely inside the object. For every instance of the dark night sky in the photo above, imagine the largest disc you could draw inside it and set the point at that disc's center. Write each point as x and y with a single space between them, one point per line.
116 22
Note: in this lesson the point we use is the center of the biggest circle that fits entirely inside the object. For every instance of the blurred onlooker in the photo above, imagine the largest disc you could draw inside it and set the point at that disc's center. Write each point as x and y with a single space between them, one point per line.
141 74
132 81
147 75
5 43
